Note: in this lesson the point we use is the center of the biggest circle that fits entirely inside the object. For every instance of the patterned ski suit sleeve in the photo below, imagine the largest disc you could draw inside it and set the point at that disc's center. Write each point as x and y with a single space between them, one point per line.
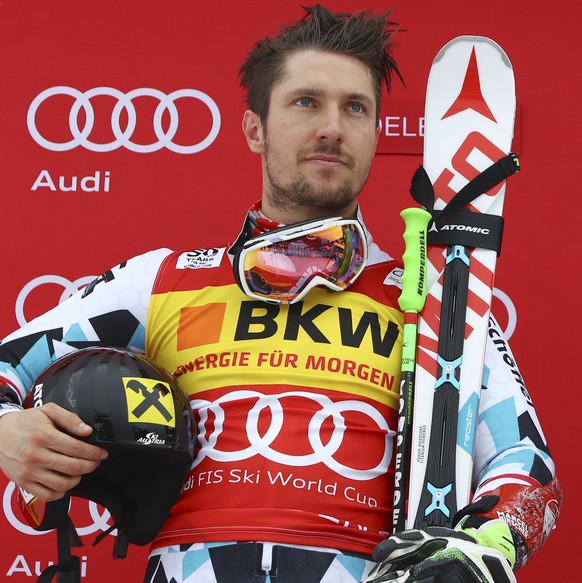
110 311
514 474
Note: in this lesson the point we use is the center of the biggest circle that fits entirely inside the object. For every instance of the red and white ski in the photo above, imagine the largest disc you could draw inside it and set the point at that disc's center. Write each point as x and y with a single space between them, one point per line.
469 121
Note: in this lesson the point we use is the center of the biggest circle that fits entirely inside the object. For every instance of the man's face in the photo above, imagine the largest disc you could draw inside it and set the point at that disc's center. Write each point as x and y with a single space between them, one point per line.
319 140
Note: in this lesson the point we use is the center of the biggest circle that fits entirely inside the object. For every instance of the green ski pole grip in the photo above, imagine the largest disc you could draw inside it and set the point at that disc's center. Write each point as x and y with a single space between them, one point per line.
415 259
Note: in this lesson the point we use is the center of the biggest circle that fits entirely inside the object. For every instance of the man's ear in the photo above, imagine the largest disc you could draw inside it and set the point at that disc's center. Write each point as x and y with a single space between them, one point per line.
253 131
378 130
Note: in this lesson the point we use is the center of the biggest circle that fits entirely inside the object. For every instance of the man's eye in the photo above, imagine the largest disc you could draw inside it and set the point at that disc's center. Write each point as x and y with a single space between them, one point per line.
304 102
356 108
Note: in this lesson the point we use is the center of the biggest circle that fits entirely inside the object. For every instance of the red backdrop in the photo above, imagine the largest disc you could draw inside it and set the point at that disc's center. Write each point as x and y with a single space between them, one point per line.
71 211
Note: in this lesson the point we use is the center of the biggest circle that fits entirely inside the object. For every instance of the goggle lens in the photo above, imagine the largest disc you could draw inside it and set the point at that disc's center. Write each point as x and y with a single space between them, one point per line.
283 269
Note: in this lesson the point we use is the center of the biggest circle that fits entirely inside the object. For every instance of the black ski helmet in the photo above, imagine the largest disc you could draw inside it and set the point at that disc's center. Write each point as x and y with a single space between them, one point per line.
141 416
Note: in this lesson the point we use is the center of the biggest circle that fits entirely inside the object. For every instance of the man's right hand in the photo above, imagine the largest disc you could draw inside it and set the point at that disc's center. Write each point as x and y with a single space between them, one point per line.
39 455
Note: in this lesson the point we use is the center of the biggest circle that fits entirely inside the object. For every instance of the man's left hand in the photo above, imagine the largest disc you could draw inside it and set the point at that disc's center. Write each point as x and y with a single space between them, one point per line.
443 555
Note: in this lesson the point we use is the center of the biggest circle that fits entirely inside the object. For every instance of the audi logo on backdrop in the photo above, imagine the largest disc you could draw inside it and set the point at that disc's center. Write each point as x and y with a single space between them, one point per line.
69 288
96 520
80 136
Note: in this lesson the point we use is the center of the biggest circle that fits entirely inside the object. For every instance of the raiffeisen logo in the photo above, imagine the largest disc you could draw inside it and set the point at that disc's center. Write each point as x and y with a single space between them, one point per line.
88 111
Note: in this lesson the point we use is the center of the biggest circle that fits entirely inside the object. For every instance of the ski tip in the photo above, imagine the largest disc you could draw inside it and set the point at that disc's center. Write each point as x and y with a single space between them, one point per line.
474 40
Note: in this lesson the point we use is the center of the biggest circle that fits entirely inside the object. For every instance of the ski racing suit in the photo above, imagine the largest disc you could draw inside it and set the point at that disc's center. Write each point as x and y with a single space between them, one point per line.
297 413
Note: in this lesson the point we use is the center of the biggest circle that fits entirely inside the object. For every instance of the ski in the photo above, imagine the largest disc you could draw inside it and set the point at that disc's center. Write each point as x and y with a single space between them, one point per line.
469 121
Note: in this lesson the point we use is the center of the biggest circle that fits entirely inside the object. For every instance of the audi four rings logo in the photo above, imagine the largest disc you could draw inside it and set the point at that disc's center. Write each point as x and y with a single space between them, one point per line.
261 444
69 288
80 135
97 520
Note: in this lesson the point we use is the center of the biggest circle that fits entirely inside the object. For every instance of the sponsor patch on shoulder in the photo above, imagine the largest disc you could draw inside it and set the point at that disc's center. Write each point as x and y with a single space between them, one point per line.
394 277
201 258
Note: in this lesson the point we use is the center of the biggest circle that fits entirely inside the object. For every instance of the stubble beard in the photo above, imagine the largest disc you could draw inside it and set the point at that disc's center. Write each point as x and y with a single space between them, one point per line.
299 193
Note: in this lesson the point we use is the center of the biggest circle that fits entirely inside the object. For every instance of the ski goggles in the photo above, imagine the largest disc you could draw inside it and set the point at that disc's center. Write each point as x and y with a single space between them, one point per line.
282 265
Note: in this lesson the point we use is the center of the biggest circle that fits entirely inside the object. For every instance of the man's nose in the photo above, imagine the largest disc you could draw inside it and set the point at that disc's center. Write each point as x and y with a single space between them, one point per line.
331 127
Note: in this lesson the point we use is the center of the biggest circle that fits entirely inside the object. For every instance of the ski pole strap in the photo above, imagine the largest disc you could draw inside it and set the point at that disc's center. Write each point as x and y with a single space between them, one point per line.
455 224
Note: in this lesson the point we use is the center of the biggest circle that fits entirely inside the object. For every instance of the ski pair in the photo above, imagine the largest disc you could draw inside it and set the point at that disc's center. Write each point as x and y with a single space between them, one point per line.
469 121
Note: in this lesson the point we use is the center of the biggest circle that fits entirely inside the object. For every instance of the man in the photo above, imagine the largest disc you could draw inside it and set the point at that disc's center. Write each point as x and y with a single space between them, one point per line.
295 386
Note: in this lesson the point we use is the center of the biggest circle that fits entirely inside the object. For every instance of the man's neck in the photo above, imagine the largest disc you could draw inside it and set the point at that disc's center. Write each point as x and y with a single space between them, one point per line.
290 215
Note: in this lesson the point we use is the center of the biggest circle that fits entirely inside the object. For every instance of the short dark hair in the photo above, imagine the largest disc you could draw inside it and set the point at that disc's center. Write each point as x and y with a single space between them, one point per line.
363 35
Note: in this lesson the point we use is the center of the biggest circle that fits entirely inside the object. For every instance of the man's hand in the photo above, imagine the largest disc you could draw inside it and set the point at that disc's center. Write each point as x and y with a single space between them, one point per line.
443 555
37 453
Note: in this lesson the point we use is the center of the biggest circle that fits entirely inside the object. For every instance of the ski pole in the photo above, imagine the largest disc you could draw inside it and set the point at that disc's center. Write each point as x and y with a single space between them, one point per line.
411 302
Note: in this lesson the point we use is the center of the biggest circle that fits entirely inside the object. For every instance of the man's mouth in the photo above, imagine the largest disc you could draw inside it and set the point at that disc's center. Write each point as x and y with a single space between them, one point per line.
326 160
